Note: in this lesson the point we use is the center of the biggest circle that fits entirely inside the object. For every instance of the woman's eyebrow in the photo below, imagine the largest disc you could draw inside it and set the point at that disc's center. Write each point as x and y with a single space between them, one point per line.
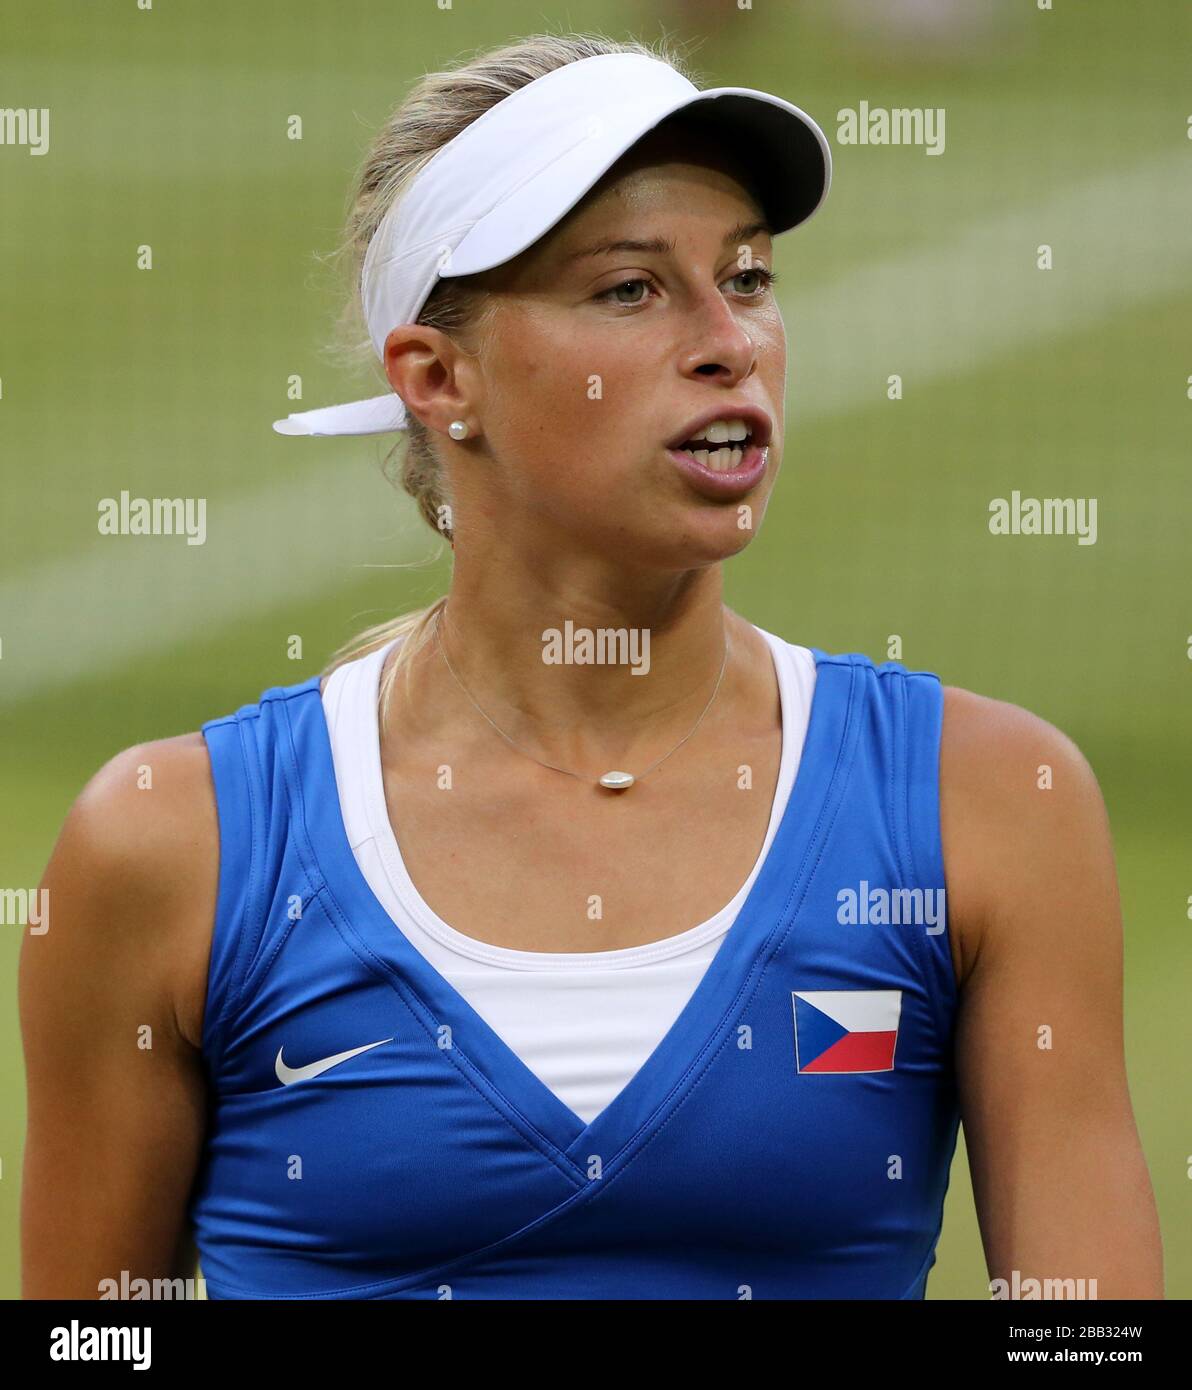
744 231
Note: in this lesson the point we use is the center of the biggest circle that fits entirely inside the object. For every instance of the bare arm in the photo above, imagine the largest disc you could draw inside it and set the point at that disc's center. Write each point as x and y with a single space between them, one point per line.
1059 1177
111 1001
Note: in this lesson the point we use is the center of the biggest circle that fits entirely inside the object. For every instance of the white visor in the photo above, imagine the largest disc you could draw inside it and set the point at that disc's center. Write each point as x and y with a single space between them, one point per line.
516 171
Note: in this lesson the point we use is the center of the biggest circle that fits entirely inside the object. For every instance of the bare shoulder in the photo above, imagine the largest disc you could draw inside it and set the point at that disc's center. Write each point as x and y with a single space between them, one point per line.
1019 802
156 796
133 878
112 991
1059 1175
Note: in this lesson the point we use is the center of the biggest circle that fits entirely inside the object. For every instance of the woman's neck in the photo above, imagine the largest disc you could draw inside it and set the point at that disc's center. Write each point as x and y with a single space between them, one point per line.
579 679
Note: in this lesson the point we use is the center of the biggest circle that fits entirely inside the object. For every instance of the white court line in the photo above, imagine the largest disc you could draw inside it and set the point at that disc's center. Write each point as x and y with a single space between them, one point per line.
930 313
946 309
125 596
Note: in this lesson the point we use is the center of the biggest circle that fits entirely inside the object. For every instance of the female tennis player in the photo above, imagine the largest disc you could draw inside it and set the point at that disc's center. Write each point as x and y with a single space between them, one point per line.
577 938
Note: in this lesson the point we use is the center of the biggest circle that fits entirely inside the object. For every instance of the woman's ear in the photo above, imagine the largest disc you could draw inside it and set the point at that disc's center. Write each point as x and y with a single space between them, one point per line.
420 365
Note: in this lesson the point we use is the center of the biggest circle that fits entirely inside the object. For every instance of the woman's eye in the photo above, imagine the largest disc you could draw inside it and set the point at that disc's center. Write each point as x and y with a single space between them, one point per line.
625 284
767 278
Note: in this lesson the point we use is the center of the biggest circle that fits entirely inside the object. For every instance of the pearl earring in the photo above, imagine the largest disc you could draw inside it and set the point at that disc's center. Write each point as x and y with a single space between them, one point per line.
458 429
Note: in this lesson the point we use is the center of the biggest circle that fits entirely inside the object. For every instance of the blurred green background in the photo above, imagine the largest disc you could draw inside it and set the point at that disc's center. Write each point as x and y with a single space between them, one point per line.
1067 127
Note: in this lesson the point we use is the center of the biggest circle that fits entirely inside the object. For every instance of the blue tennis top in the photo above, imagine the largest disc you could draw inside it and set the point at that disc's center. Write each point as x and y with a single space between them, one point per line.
790 1137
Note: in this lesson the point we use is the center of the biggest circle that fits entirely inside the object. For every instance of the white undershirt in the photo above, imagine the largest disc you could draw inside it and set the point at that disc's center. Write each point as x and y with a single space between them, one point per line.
583 1022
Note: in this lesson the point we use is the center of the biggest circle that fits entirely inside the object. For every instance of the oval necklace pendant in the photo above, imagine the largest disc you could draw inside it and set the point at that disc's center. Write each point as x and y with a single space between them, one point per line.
617 781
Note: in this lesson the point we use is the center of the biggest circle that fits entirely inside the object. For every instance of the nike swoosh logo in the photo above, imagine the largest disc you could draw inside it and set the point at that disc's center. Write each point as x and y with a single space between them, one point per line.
288 1075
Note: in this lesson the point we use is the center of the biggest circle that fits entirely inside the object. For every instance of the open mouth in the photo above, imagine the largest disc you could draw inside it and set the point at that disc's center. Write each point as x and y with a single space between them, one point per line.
719 456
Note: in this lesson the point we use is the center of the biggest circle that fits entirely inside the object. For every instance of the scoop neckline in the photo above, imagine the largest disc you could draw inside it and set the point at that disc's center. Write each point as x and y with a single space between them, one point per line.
364 708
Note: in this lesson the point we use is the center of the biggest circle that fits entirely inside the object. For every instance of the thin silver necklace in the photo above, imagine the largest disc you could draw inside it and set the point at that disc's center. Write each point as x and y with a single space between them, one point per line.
612 780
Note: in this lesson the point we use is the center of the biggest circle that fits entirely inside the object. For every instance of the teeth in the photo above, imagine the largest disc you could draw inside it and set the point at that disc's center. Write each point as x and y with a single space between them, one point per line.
724 431
719 460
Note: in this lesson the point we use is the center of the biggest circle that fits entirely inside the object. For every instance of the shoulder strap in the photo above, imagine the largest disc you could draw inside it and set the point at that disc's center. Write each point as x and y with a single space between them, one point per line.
919 710
252 759
241 801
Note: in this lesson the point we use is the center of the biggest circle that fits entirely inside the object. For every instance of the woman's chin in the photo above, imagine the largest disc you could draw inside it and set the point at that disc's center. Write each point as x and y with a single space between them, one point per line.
697 537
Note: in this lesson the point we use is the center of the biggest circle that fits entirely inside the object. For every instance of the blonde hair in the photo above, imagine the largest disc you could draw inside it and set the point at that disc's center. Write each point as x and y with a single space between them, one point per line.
436 109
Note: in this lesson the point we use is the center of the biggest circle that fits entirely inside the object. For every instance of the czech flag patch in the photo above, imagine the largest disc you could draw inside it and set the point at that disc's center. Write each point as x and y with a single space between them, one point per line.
846 1030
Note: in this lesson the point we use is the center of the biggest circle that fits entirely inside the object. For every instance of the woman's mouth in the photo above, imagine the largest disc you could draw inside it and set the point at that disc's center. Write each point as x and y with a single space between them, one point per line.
719 458
720 445
721 470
